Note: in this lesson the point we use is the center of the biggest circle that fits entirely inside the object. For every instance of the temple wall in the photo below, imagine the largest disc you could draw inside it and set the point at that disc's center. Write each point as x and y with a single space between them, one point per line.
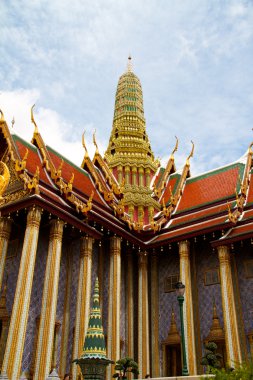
245 287
168 264
207 259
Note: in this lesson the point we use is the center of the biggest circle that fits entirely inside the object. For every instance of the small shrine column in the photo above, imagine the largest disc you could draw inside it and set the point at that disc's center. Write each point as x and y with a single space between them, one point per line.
154 317
20 310
83 299
49 302
119 169
185 277
141 179
130 304
127 175
234 354
143 316
5 230
134 175
113 328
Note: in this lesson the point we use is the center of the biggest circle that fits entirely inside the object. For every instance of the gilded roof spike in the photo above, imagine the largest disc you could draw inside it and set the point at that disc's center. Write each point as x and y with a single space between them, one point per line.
94 141
176 147
33 121
84 145
191 154
59 170
2 115
4 178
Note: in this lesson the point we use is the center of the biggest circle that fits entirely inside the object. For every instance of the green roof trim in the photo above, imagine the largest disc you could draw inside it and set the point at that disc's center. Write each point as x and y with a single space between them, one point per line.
67 160
176 184
26 143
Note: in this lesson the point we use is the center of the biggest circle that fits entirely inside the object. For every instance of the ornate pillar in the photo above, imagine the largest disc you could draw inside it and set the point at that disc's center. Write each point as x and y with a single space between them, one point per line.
5 230
150 213
134 175
127 175
141 181
55 345
5 318
83 300
113 328
147 172
154 317
66 318
119 168
232 338
131 212
130 305
185 276
20 310
143 316
49 302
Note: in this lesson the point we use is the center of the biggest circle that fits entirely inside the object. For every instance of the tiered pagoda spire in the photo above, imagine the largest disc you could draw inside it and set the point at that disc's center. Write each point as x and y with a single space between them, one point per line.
129 153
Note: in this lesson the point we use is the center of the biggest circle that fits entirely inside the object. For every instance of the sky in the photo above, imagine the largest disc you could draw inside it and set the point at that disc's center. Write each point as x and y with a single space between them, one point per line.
194 59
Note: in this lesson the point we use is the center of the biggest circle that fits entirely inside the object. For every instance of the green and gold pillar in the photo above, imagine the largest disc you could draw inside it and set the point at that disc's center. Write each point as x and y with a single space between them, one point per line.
66 318
185 277
143 316
230 317
20 311
49 302
83 299
154 317
130 304
5 230
113 328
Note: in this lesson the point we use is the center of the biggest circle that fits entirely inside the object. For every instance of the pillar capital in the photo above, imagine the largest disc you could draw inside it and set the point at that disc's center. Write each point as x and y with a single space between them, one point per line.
115 245
86 246
184 248
5 227
56 229
34 216
224 256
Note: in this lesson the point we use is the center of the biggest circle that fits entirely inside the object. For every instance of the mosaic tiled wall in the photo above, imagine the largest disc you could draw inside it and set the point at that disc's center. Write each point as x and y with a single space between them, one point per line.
168 264
123 304
245 285
206 259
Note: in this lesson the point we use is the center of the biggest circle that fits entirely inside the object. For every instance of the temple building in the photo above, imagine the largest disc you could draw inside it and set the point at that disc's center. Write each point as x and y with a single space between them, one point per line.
140 228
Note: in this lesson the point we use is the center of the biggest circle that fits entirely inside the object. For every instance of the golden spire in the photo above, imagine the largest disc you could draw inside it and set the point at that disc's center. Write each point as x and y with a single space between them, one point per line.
176 147
94 141
33 121
129 64
190 155
84 145
216 331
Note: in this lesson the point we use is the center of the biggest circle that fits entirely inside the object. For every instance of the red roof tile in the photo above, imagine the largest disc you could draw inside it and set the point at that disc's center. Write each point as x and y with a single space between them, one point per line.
210 187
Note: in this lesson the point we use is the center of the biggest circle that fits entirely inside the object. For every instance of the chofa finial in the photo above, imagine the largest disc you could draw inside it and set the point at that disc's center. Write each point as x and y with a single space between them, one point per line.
33 121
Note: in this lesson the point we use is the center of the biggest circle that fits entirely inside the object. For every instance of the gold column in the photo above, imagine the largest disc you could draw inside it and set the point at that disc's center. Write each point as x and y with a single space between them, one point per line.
154 317
130 305
134 172
19 317
141 171
147 172
127 175
49 302
66 318
5 230
55 345
143 317
185 276
119 168
150 213
233 346
83 299
113 329
131 212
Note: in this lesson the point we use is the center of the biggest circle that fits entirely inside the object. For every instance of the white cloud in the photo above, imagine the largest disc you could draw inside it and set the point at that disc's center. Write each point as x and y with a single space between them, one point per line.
52 127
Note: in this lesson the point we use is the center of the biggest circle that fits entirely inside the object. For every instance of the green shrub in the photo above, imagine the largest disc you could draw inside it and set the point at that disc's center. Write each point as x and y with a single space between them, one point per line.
125 365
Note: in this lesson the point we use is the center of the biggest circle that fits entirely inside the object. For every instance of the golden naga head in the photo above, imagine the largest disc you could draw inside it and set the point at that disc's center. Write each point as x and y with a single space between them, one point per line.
4 178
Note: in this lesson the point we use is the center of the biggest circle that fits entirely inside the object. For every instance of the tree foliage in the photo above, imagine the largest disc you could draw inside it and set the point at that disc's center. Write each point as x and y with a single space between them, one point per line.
125 365
211 359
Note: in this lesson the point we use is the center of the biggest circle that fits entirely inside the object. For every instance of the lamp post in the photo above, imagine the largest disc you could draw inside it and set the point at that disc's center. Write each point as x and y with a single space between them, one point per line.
180 288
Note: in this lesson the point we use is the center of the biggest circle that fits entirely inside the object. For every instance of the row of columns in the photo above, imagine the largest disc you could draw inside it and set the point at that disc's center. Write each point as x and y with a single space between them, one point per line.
18 324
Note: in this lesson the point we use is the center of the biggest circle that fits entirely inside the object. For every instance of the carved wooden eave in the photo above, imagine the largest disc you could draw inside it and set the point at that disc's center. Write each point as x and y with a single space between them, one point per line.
167 211
170 169
109 177
241 197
